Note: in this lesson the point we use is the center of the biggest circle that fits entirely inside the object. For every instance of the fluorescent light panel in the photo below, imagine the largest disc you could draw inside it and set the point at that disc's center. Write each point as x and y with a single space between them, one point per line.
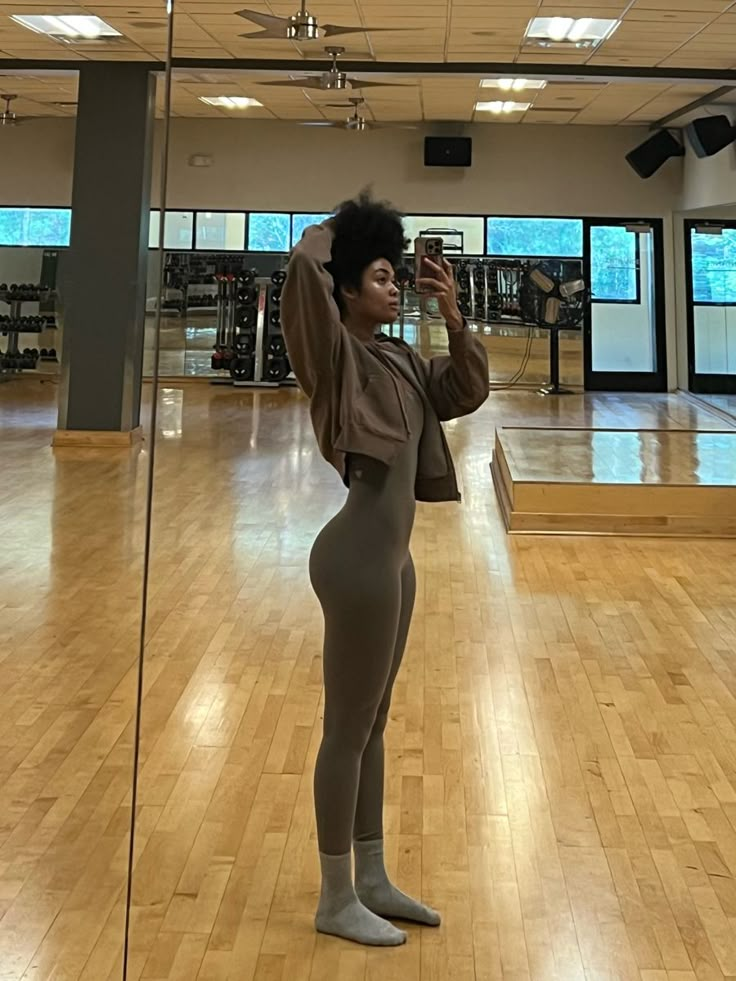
584 32
502 108
512 84
230 101
66 25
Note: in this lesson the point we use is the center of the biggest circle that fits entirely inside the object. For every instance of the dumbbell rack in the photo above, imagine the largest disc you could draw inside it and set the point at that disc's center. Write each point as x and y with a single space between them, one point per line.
11 360
249 342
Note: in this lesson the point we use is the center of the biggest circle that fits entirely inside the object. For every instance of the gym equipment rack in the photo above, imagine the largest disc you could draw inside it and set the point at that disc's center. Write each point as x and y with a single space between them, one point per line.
12 360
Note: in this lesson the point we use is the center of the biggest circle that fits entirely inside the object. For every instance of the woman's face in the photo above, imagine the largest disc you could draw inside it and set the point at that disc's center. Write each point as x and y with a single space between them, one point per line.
378 299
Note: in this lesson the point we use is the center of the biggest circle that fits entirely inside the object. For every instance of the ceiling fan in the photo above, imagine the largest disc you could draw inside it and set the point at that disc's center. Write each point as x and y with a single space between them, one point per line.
7 116
357 121
301 26
333 80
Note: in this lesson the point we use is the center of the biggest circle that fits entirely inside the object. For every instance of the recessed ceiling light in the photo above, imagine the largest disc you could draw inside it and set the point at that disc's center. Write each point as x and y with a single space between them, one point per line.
582 32
230 101
502 108
75 26
512 84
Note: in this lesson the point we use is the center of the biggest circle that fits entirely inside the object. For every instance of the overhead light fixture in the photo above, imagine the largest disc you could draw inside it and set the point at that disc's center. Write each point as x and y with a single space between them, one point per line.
512 84
502 108
230 101
579 32
75 27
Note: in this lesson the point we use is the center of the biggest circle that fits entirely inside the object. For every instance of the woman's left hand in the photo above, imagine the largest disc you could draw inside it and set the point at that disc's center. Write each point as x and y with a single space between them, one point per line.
441 286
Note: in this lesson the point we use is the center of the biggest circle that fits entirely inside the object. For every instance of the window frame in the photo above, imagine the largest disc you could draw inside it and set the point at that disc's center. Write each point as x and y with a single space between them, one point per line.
216 211
691 227
267 251
580 258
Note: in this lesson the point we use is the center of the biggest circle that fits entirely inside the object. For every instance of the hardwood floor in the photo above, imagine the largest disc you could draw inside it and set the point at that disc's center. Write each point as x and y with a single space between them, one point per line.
561 751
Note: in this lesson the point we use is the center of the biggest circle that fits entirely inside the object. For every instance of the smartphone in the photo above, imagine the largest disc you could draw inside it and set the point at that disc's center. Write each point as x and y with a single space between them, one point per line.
426 247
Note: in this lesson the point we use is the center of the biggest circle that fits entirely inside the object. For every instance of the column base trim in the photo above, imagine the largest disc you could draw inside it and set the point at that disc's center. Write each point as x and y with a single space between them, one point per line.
97 438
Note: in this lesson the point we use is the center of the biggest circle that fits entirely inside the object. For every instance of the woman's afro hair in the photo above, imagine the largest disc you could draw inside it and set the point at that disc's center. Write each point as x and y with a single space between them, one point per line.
364 230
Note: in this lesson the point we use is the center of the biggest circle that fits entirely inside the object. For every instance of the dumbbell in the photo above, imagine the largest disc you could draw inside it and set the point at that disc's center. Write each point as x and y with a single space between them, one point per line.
244 344
247 295
276 346
278 278
241 369
274 318
277 369
246 318
247 277
276 296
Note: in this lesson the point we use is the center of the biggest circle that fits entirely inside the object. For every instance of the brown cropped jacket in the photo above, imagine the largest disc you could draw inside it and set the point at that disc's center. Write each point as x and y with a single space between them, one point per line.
357 403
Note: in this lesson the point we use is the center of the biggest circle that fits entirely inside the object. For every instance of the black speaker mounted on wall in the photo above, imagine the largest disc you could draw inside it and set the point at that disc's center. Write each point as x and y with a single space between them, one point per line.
448 151
710 134
647 158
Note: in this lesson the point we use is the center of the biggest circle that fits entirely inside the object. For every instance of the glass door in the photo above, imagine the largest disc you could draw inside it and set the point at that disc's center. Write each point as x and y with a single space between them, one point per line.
710 250
624 328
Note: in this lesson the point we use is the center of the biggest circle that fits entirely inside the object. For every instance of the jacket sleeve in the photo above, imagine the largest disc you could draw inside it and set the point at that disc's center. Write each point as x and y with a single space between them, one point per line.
458 384
310 318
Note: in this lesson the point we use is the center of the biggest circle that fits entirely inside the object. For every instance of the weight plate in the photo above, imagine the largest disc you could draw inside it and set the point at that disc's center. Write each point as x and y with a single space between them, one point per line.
278 278
276 296
274 318
248 277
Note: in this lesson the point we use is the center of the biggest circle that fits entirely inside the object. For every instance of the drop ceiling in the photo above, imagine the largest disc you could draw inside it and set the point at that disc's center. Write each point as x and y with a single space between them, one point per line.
684 35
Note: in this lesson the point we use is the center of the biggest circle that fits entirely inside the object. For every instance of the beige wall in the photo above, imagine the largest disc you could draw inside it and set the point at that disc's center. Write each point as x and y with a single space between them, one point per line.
517 169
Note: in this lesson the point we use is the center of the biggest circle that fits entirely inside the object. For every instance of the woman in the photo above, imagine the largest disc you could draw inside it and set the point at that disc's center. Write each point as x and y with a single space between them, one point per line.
376 408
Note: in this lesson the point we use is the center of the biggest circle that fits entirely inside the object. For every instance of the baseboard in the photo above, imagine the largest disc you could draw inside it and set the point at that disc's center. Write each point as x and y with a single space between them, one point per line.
97 438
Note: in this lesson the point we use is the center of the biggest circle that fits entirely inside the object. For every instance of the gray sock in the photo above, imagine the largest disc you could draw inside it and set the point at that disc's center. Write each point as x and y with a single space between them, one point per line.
341 913
375 890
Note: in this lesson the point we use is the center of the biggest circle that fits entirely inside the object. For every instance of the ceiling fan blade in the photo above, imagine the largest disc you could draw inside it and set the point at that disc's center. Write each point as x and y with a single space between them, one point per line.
298 83
269 21
275 33
358 83
323 124
333 30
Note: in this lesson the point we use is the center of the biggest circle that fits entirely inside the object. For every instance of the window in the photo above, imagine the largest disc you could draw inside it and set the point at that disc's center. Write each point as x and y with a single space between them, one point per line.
469 242
301 221
714 267
220 231
178 230
614 264
35 226
269 231
535 237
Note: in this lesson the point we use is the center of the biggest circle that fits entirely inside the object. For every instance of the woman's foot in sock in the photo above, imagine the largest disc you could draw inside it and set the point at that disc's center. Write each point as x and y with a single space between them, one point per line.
355 922
386 900
376 891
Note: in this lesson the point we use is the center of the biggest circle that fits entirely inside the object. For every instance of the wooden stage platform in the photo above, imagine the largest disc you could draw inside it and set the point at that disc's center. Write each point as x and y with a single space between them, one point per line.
616 482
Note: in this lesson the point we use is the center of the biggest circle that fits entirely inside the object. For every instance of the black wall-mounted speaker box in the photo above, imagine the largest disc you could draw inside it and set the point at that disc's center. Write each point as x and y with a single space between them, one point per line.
649 157
448 151
710 134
